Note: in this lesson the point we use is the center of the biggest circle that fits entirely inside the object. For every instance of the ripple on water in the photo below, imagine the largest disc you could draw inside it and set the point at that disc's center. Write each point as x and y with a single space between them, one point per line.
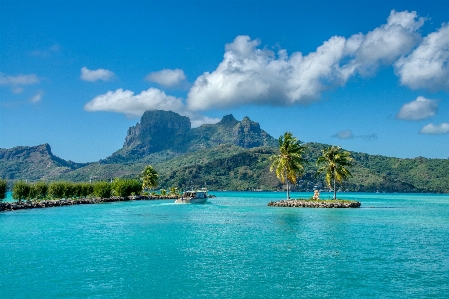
234 247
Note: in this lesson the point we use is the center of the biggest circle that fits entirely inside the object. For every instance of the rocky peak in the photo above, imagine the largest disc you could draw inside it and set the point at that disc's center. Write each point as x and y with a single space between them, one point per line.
168 131
246 126
228 120
158 130
248 134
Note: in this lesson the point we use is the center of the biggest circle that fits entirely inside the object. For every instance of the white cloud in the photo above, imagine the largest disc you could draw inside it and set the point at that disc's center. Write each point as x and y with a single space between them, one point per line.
167 77
249 75
428 65
198 120
432 129
19 80
421 108
125 101
94 75
344 134
37 97
386 43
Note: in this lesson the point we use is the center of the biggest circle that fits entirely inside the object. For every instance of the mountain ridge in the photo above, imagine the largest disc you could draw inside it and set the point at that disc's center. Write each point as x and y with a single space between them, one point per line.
160 130
230 155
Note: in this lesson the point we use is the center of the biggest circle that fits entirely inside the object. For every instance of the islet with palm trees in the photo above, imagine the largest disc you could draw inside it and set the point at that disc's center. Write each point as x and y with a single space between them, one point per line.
289 165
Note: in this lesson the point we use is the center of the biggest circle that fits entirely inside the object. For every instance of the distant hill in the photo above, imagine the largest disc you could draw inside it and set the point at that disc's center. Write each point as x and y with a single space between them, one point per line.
234 168
230 155
33 163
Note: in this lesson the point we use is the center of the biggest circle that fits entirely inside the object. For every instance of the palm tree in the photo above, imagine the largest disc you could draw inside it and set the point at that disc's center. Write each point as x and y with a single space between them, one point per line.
333 162
149 178
289 163
174 191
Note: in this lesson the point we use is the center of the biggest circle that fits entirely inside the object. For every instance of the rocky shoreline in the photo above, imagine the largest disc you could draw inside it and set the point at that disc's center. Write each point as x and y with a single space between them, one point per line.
11 206
302 203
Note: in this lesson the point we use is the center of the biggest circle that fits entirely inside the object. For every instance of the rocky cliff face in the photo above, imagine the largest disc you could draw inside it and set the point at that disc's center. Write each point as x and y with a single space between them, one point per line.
33 163
160 131
248 134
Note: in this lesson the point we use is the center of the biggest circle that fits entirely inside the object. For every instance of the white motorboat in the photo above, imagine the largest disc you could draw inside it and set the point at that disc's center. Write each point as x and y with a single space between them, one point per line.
193 196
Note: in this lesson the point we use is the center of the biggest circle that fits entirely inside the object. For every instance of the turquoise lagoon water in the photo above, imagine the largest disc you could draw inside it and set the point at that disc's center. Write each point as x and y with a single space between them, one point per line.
395 246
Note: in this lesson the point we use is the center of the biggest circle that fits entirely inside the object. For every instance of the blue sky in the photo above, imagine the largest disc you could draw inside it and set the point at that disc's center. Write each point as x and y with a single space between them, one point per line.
370 76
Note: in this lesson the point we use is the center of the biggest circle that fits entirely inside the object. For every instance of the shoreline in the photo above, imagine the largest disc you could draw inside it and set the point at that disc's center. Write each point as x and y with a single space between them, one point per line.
25 205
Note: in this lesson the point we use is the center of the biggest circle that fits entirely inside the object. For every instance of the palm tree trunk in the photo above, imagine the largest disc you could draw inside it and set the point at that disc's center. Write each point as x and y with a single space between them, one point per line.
335 191
288 190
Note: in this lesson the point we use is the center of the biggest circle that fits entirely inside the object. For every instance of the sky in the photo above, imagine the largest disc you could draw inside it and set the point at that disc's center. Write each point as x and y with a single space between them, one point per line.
370 76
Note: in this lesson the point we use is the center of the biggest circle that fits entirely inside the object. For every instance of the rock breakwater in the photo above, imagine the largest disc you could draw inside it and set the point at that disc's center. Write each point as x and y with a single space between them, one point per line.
11 206
303 203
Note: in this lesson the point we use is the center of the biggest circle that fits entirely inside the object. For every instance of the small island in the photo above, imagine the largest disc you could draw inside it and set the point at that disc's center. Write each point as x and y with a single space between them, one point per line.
289 165
315 203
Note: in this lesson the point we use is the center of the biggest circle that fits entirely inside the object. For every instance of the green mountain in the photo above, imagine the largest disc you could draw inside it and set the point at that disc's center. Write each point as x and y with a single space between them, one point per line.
33 163
230 155
167 131
235 168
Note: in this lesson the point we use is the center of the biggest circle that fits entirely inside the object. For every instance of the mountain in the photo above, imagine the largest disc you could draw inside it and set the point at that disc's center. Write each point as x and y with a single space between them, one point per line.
231 155
235 168
232 167
33 163
167 131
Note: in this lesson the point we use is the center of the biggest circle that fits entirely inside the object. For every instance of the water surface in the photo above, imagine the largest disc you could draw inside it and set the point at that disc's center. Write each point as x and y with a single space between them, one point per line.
396 245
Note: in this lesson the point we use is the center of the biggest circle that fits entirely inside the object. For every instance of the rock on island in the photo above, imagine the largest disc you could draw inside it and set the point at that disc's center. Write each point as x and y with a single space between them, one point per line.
307 203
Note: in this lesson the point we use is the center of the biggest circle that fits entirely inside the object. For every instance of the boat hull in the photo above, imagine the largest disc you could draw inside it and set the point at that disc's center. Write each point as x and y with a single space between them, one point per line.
198 200
191 200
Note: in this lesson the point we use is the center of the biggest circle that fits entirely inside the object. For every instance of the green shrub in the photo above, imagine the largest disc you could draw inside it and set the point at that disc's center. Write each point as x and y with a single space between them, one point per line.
56 190
86 189
3 188
126 187
39 190
69 190
21 190
102 189
76 190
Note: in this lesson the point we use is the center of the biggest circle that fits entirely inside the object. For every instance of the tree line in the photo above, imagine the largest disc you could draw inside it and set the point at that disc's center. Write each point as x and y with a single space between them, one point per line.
23 190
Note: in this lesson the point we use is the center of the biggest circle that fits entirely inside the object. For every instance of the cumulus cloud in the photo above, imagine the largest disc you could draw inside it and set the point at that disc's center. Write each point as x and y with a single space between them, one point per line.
428 65
198 119
19 80
167 77
134 105
37 97
250 75
386 43
432 129
94 75
344 134
419 109
125 101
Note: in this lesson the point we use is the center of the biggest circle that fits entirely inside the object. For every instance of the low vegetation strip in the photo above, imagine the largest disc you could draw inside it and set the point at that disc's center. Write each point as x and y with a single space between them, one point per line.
11 206
308 203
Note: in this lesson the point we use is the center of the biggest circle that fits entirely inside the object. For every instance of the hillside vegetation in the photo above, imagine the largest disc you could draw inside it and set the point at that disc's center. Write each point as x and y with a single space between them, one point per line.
230 155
